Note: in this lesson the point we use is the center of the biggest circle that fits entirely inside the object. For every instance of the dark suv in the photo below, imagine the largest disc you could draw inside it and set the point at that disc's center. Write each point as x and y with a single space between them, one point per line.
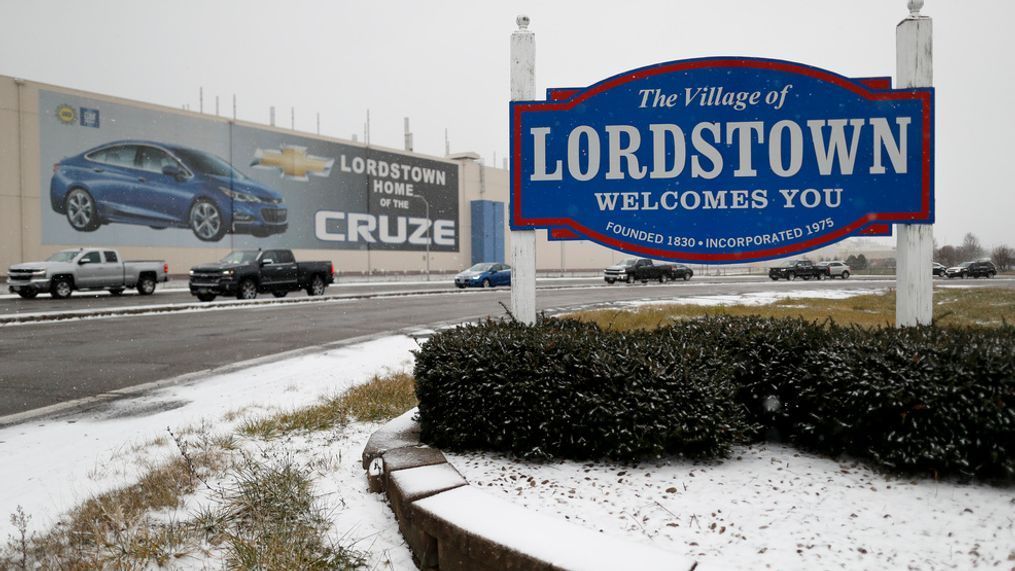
978 269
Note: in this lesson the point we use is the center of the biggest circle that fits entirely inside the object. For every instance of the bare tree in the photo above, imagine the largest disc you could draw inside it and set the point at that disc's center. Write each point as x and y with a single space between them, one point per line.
970 248
948 255
1003 257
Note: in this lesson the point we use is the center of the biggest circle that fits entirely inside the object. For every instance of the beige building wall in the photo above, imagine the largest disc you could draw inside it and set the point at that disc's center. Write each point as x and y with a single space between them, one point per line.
22 194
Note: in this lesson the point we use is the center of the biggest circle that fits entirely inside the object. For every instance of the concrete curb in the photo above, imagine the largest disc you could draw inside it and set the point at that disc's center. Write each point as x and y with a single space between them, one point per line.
452 526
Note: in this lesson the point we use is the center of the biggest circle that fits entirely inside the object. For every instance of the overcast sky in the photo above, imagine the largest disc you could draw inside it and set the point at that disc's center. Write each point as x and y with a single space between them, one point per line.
444 64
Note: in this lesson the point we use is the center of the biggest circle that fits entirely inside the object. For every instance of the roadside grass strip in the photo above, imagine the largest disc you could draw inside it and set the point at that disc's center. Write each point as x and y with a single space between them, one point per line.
952 307
220 497
382 398
114 488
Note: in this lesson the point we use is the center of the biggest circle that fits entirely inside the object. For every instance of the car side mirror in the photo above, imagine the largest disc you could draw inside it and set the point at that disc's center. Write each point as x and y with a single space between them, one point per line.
84 261
267 262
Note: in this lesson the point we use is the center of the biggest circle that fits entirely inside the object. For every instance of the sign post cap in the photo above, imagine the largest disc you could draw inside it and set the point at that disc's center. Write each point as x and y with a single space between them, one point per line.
914 8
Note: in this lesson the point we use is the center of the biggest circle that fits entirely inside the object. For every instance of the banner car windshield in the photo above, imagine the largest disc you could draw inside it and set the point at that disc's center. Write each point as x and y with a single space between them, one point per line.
723 160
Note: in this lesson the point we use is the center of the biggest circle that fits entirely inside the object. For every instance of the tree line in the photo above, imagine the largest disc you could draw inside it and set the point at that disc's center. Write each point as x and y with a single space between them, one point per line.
971 249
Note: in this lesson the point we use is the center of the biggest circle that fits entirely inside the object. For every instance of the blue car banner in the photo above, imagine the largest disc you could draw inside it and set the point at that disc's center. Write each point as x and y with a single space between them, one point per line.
128 175
721 160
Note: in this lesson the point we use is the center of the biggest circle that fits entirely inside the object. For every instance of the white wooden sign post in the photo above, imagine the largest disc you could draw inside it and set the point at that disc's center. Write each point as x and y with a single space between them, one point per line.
914 242
523 242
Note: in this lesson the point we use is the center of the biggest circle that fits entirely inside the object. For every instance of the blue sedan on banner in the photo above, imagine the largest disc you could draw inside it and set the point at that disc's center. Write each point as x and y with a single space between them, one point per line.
484 275
162 186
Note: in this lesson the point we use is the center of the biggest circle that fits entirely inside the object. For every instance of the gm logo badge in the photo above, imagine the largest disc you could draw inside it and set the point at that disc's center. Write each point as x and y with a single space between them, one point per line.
89 117
66 114
293 162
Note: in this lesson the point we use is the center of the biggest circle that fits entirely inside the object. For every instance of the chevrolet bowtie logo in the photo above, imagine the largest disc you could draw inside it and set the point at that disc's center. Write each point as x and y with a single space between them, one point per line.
293 161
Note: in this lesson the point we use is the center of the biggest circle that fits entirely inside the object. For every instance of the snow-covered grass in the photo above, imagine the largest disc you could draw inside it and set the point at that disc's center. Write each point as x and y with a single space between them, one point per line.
751 299
55 465
769 506
953 306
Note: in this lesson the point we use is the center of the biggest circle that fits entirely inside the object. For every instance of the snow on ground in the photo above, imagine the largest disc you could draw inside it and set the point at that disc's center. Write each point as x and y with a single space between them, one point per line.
756 298
49 466
769 506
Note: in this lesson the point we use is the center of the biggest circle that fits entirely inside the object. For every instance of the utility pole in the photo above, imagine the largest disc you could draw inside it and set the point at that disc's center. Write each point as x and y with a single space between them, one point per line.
234 107
523 242
914 300
271 117
408 136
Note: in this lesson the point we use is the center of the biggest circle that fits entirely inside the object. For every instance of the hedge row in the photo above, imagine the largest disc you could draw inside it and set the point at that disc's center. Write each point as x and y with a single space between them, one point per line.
930 400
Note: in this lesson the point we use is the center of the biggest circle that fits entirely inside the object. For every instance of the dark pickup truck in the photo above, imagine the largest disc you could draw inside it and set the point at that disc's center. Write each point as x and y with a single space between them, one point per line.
245 273
804 269
643 270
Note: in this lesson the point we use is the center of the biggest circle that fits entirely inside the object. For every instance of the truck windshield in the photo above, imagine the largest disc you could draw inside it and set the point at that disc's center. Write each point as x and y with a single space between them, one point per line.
629 262
65 256
240 257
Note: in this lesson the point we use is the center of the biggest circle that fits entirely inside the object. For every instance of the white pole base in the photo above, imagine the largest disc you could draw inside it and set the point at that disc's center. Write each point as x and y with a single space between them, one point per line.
914 301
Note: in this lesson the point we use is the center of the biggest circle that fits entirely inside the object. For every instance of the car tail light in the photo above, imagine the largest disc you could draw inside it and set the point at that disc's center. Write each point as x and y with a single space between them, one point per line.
165 268
332 268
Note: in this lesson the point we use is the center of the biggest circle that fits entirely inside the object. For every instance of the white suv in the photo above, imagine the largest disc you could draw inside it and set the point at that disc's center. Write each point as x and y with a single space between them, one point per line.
836 269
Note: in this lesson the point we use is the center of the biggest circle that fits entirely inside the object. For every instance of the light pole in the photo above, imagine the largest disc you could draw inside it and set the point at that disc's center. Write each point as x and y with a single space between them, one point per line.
427 204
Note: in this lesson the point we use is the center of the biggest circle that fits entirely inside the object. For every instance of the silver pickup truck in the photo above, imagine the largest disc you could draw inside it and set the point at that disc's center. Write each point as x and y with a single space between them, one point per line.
85 269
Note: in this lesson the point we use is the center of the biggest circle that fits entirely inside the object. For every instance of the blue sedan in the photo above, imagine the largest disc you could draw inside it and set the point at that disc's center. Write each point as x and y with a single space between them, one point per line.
162 186
484 275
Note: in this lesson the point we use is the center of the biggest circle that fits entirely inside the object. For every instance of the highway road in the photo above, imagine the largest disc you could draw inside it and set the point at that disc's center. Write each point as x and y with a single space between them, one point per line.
48 363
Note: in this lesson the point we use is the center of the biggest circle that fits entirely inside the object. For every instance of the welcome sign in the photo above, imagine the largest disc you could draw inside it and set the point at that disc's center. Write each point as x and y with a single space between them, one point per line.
722 160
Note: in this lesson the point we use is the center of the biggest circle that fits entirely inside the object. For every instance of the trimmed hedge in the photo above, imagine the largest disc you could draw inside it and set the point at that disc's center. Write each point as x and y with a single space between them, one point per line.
929 400
564 388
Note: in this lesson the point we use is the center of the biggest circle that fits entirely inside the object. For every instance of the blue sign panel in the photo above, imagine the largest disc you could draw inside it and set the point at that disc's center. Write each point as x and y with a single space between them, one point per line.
722 160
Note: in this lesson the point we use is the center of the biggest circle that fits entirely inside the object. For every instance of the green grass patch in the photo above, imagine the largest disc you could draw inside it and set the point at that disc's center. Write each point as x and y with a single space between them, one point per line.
952 307
382 398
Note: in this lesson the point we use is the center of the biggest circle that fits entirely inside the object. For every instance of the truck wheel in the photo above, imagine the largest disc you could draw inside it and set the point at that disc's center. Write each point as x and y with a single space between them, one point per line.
805 278
687 276
662 279
206 221
629 279
28 293
61 288
146 285
247 290
610 281
774 278
316 286
206 296
81 211
845 275
116 291
280 293
991 274
791 276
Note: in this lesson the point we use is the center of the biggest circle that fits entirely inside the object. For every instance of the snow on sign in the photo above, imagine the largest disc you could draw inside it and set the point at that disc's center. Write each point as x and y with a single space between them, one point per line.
721 160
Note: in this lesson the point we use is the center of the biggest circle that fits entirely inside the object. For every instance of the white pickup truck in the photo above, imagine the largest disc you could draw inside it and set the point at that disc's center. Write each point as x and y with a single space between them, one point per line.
85 269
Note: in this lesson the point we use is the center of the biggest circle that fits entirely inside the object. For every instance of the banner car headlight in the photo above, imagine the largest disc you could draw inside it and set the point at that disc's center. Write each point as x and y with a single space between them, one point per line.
239 196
